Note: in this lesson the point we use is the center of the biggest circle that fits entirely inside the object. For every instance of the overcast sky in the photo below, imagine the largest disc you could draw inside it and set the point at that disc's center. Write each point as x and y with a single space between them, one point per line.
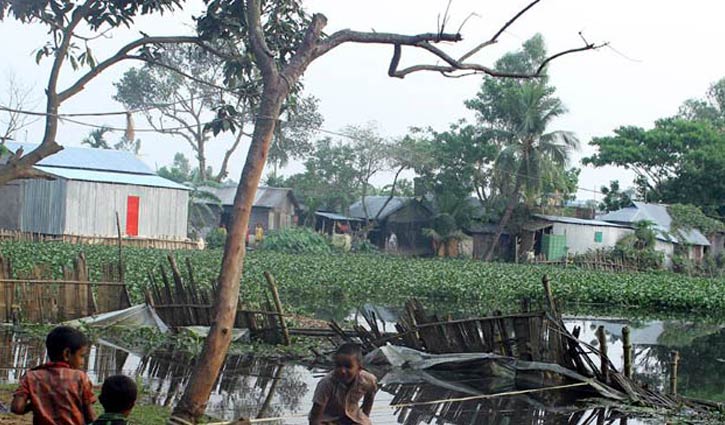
666 51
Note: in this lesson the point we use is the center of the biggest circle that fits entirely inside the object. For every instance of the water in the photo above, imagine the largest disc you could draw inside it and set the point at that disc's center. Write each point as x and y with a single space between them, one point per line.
250 387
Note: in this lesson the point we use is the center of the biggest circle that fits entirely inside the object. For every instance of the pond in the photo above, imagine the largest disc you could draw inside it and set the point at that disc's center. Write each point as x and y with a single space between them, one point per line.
251 387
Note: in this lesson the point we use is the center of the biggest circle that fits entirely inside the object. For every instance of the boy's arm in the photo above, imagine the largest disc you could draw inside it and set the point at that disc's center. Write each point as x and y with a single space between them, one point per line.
88 413
21 399
20 404
322 395
316 414
367 404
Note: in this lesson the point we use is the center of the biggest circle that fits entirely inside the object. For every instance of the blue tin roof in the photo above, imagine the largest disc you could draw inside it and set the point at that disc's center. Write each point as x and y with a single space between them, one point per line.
151 180
658 214
89 159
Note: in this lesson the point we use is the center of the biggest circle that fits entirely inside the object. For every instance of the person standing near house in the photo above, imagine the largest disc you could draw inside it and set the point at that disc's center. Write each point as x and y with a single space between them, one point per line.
392 242
259 234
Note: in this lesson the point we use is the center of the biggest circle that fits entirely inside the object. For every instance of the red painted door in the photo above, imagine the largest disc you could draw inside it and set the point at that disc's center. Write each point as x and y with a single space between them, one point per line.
132 215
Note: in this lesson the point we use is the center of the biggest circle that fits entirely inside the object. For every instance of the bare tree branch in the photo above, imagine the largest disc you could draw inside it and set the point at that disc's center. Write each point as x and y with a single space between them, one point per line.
122 54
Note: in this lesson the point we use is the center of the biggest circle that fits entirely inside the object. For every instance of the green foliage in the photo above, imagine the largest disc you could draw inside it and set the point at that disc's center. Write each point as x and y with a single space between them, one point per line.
686 217
678 161
313 282
615 198
296 240
216 238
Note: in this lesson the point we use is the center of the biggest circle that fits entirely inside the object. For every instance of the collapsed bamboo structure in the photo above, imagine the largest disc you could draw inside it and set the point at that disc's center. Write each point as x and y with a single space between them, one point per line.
539 336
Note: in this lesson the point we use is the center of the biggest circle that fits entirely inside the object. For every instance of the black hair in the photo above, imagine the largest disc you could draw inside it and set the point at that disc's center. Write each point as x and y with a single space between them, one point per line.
63 337
350 349
118 394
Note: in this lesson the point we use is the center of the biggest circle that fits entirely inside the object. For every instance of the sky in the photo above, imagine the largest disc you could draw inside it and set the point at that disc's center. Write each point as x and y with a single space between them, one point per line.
663 52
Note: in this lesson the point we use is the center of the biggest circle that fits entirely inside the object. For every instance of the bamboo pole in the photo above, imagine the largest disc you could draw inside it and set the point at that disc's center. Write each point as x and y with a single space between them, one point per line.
549 296
674 366
627 347
278 306
602 337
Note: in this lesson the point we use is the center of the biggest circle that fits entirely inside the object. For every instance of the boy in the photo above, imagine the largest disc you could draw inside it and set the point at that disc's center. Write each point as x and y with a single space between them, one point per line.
58 393
337 396
118 396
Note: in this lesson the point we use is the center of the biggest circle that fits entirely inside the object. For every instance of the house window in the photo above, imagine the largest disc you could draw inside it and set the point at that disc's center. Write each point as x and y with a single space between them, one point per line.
132 203
598 237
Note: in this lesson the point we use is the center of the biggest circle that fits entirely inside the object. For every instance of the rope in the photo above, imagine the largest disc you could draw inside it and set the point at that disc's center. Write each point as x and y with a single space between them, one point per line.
406 405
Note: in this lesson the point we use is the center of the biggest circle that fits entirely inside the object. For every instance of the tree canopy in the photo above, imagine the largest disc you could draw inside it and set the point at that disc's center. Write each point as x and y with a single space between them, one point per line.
677 161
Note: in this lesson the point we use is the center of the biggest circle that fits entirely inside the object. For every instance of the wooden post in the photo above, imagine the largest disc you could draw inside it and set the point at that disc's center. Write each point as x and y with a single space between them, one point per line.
550 296
278 306
627 347
602 337
674 366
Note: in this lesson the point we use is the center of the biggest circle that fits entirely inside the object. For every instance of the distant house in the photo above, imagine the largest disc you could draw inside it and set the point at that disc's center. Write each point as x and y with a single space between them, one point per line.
717 243
85 189
483 234
331 223
274 208
404 216
691 241
555 237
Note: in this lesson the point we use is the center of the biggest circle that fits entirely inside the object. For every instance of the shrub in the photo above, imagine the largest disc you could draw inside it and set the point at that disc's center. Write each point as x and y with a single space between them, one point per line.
296 240
216 238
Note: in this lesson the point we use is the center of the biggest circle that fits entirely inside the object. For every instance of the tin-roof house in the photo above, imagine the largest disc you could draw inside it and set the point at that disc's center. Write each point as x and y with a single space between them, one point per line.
404 216
83 192
691 241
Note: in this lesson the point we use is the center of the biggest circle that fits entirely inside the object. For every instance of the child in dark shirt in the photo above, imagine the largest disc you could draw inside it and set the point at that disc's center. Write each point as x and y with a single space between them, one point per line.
118 396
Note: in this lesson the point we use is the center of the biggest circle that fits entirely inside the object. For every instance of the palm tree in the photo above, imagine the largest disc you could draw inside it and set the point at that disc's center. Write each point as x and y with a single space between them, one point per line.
529 155
97 138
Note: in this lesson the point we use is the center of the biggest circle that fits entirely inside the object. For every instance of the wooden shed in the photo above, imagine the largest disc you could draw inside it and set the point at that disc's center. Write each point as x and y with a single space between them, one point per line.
406 217
274 207
85 189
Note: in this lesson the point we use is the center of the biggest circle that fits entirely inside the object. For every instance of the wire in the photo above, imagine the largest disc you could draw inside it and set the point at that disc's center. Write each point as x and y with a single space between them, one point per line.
66 118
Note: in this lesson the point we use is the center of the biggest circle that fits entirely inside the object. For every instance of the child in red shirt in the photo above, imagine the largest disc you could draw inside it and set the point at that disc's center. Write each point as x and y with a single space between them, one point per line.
58 393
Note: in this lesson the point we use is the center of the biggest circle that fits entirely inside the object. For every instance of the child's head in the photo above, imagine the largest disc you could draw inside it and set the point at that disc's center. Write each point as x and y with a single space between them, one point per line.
348 362
65 344
118 394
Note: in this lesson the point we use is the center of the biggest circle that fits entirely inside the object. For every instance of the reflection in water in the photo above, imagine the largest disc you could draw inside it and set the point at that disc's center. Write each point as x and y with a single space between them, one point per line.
250 387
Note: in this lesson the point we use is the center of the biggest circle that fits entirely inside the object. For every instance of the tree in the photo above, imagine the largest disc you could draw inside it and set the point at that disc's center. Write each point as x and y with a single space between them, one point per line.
330 180
180 170
456 160
12 120
97 138
293 138
282 42
66 21
516 116
710 109
615 198
370 155
677 161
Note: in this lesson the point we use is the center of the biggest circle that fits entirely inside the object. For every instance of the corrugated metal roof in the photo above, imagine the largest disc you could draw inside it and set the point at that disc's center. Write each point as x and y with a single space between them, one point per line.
375 203
266 197
89 159
578 221
110 177
658 214
333 216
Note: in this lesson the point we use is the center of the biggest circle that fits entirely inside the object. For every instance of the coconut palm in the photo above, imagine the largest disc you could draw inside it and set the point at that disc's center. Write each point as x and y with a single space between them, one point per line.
529 155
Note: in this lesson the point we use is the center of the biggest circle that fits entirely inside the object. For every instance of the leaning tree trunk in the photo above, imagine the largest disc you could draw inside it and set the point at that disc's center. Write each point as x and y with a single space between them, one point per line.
505 218
193 403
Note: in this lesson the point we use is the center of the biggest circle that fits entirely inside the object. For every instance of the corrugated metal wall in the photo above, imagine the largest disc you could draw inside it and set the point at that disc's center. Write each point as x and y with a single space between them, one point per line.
43 205
91 210
10 203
